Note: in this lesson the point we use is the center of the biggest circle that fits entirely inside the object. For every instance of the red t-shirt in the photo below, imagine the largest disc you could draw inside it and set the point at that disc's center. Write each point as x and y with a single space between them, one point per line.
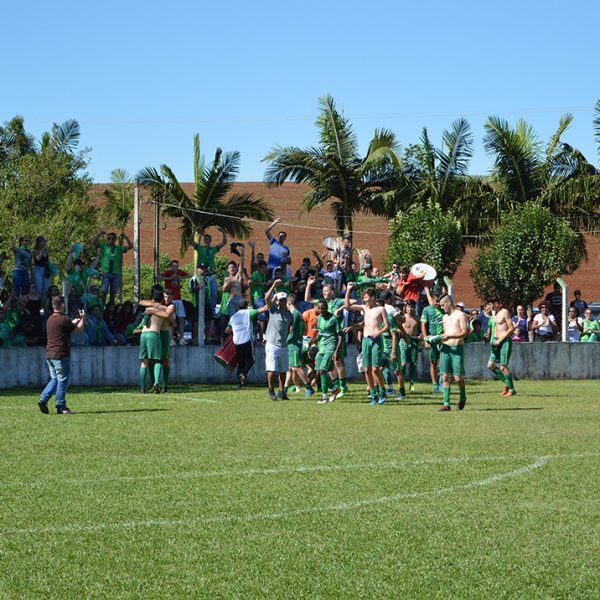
412 288
174 284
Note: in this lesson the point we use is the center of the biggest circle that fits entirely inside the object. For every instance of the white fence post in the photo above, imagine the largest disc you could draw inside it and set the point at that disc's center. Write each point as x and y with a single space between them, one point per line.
565 309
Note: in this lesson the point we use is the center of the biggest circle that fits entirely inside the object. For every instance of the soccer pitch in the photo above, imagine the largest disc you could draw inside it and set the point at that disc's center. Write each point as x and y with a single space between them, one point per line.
208 491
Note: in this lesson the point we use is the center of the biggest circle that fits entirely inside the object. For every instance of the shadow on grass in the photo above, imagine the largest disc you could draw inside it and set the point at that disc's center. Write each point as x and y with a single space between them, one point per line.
510 408
125 410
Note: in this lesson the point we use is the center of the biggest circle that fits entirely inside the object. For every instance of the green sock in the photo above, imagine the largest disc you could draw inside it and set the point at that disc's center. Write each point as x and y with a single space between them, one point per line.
463 393
285 389
324 383
509 382
446 394
166 371
412 373
343 383
336 383
143 375
308 386
158 373
499 374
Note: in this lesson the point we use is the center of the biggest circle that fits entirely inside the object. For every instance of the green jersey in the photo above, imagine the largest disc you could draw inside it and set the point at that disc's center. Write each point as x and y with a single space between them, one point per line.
259 289
333 305
329 330
205 255
591 326
432 317
111 258
283 287
298 326
223 309
78 280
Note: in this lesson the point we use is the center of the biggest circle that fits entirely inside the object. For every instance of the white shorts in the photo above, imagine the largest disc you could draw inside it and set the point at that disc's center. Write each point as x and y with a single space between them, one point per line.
179 309
276 358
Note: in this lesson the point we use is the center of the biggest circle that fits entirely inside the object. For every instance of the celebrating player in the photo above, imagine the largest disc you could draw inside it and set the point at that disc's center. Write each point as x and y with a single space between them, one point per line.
501 346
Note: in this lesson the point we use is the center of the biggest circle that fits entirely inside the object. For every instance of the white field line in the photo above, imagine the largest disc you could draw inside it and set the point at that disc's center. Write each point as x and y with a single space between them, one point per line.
389 465
142 401
74 528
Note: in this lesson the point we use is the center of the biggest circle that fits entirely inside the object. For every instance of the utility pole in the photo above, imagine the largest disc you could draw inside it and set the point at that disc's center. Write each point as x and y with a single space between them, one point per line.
156 240
136 242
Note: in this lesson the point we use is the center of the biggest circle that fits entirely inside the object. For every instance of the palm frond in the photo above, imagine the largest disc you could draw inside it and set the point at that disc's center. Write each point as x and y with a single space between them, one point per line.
198 163
336 134
563 125
292 164
382 146
457 150
66 136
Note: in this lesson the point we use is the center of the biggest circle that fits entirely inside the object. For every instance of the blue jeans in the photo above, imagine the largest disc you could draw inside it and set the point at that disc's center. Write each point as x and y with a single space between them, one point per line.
212 290
112 282
60 371
20 282
42 283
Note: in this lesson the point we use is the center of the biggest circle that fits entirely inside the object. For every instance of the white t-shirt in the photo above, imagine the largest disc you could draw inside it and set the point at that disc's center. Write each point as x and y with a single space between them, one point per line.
544 329
241 325
574 333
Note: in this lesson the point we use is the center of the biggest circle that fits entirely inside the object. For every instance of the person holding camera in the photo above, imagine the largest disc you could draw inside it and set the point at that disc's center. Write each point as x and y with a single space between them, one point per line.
58 355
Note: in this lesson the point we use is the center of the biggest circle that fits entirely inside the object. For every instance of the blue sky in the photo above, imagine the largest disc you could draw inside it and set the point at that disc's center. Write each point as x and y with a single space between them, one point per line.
143 77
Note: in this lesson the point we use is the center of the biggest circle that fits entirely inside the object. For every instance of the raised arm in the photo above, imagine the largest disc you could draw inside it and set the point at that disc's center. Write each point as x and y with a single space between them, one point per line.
129 244
79 322
308 291
270 291
253 265
224 239
69 261
318 259
97 237
270 227
347 301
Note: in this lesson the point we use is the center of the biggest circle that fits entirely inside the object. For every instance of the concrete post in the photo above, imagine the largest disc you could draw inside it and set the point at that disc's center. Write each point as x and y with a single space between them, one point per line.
200 334
450 286
565 308
136 242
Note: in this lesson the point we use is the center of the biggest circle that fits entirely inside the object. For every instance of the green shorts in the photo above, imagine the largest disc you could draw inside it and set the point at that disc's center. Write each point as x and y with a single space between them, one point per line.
372 352
434 352
150 346
324 359
165 345
295 354
452 360
501 354
409 352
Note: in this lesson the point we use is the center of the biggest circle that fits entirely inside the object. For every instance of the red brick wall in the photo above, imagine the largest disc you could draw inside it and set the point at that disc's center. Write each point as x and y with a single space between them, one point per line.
285 201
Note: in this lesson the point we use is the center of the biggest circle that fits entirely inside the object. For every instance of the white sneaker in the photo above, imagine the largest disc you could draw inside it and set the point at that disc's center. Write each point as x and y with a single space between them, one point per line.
183 342
323 399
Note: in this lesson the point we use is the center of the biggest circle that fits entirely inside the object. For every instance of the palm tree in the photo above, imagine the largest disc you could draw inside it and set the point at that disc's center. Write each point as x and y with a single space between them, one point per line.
212 204
556 174
334 170
119 198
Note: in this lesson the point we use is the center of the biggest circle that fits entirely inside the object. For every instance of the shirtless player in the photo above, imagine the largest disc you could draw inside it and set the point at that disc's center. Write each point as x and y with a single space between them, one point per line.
501 346
375 323
409 350
456 329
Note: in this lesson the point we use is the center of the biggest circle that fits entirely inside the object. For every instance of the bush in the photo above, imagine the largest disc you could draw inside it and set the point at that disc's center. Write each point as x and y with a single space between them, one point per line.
528 251
426 234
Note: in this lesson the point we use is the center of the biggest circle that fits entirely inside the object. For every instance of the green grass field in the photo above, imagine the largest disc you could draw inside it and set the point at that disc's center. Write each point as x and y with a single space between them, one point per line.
211 492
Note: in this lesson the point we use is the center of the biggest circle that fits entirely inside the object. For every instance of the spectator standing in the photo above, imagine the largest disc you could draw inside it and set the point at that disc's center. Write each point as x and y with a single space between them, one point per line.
484 317
410 289
23 256
172 278
544 325
277 249
574 325
96 329
578 303
521 323
591 328
41 265
78 274
554 302
111 263
58 355
31 317
276 352
258 288
206 255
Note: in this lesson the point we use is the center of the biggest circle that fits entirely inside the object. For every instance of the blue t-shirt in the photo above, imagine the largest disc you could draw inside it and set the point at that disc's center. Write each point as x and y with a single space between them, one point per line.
275 253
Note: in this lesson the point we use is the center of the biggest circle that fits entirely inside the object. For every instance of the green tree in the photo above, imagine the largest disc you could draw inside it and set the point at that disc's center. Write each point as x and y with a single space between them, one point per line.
44 189
334 170
212 203
555 174
118 204
528 251
425 233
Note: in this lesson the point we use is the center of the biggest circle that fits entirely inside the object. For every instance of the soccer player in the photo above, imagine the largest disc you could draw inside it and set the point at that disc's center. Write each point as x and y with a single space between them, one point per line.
409 347
431 326
330 343
335 305
294 344
456 328
150 345
375 324
501 346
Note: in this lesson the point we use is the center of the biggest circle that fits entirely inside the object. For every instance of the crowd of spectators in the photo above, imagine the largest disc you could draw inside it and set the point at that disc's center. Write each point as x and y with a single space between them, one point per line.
94 285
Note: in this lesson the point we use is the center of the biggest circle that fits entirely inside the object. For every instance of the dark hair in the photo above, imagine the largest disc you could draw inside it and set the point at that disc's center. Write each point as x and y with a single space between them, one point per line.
242 304
370 292
411 303
156 288
38 241
231 262
577 292
57 302
494 300
575 309
78 262
282 233
262 263
158 296
292 299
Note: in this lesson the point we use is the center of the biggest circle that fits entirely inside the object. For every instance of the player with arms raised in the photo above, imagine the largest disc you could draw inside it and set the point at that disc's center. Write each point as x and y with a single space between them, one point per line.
375 324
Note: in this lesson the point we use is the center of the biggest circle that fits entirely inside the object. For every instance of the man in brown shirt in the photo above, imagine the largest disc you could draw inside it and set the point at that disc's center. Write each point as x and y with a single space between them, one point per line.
58 355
